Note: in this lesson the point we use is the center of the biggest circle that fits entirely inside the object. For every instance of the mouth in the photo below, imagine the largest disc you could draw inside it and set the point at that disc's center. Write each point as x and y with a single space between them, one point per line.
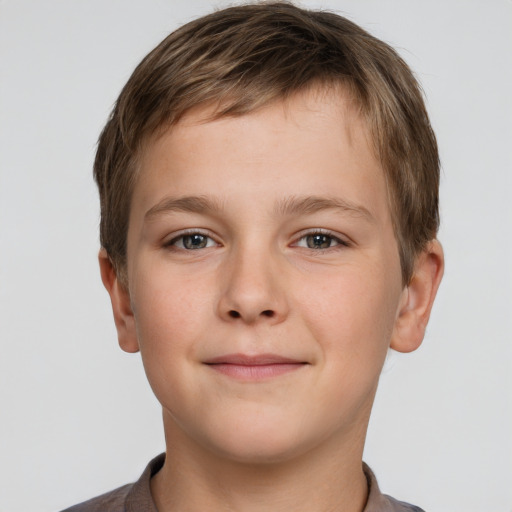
253 368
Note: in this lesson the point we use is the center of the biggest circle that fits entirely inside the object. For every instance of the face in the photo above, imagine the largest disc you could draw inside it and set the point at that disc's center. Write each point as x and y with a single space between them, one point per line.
264 278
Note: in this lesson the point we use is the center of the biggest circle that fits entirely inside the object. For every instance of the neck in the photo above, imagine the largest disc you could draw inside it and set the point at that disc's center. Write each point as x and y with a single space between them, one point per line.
324 479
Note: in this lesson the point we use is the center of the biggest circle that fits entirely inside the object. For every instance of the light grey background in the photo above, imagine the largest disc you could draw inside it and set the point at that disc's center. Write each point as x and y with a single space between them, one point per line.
77 417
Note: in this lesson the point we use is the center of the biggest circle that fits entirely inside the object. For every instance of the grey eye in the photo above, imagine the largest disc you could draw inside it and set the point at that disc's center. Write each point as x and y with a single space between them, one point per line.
320 241
195 241
191 241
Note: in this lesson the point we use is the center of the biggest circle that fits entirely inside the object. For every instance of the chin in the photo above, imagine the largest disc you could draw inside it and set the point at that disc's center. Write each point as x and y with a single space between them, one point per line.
261 452
258 443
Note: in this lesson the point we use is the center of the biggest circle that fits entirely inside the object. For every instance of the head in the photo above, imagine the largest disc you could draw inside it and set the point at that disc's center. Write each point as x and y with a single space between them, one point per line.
268 184
243 58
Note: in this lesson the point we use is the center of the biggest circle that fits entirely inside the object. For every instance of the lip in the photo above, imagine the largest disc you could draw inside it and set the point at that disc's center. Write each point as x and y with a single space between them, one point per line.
254 367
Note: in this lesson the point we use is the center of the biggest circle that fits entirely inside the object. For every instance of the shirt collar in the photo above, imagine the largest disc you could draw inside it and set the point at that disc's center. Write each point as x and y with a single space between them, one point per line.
139 498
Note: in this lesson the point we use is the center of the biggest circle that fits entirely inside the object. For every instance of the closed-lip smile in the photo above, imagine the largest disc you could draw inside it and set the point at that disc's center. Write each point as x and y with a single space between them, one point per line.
254 367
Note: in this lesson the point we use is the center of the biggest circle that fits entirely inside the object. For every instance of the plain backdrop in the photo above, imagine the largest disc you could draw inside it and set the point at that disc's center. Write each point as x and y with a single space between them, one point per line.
77 417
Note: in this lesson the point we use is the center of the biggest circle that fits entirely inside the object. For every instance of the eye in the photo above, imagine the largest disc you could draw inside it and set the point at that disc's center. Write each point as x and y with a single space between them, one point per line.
192 241
319 241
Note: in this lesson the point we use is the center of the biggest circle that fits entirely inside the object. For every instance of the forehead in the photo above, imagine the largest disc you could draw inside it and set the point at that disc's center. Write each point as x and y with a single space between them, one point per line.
308 141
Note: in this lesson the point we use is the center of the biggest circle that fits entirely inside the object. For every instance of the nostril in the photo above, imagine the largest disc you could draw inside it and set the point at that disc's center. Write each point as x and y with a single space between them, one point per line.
267 312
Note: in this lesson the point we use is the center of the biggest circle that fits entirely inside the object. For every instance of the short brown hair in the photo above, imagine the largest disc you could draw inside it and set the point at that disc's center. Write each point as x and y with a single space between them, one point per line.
244 57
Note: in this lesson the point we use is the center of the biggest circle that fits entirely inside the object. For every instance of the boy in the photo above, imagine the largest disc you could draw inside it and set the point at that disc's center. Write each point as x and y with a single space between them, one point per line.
269 206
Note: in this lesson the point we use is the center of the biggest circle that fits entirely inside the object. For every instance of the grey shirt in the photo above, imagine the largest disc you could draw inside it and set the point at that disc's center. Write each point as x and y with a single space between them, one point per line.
137 497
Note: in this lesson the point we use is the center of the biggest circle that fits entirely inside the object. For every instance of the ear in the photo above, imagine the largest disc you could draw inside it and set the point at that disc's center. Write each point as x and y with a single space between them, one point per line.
121 306
417 299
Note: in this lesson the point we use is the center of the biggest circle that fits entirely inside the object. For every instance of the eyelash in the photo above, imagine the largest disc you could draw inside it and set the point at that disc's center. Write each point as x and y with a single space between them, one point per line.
172 244
339 243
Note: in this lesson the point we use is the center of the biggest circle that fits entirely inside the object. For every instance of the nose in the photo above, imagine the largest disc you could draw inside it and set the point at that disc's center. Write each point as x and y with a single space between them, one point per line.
253 289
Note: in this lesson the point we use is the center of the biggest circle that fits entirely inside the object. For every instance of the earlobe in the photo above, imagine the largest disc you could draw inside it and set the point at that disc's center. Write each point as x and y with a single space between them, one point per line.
418 298
121 306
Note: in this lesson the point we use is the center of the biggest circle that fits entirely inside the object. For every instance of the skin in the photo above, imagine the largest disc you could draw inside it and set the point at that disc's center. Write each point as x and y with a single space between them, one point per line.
296 257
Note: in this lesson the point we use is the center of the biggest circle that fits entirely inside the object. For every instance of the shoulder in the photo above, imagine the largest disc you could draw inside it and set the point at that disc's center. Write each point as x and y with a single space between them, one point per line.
113 501
379 502
129 498
401 506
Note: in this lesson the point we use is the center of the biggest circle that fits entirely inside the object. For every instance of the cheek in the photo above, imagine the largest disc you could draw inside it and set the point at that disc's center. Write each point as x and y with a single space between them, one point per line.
170 311
171 317
351 313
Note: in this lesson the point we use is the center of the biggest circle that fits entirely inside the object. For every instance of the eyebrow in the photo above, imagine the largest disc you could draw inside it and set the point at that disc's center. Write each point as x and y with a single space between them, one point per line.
193 204
289 206
312 204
